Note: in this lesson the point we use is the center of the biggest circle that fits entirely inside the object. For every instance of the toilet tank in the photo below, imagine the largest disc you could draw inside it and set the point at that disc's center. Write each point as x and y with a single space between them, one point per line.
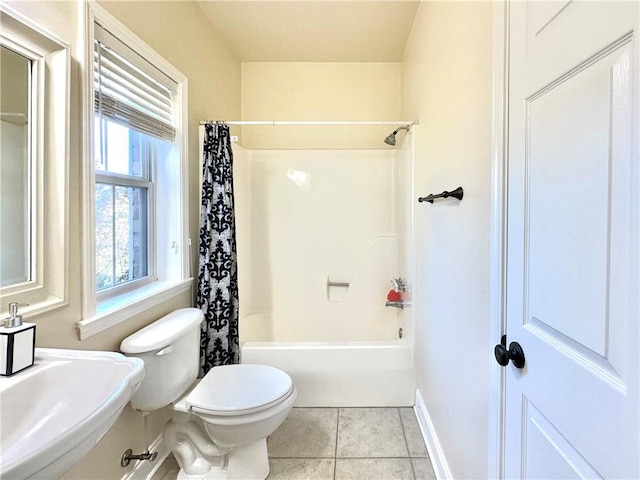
170 349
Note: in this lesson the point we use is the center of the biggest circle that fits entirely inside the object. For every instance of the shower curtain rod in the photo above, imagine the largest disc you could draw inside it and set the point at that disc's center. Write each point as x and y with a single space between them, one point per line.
309 123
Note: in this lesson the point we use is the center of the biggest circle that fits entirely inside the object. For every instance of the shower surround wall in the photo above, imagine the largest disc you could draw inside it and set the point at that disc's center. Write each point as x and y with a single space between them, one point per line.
319 217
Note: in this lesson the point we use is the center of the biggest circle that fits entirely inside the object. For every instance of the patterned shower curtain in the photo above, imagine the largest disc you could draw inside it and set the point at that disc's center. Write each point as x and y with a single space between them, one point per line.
218 272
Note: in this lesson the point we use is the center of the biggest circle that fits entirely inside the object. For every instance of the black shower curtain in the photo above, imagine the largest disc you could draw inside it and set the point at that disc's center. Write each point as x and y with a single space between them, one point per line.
218 271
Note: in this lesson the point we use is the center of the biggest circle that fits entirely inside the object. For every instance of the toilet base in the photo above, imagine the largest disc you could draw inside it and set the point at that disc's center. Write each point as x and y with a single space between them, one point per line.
250 462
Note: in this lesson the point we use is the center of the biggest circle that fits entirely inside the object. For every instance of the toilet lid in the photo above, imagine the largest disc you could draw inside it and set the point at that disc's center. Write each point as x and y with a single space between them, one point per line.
239 389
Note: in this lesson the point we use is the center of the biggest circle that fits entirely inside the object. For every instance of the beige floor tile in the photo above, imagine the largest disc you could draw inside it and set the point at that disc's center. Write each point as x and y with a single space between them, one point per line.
370 432
423 469
306 433
301 469
415 441
373 469
310 434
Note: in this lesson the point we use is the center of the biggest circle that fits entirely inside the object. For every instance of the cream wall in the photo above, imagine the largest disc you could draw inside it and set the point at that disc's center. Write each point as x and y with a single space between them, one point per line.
319 91
446 83
214 90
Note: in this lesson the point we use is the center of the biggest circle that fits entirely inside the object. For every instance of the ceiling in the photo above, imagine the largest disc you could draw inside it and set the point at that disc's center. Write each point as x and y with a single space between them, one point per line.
312 30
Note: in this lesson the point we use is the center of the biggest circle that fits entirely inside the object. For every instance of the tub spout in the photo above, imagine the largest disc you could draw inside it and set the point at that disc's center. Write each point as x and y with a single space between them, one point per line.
397 304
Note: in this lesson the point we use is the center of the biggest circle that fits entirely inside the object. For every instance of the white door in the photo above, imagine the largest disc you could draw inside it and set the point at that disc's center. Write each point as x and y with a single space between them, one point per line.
572 242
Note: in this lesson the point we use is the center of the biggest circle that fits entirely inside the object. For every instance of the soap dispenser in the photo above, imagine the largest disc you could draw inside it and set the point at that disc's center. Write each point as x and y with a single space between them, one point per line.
17 343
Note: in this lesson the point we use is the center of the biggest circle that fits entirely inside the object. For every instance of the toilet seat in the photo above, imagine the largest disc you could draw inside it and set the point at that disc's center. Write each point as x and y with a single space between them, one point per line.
243 389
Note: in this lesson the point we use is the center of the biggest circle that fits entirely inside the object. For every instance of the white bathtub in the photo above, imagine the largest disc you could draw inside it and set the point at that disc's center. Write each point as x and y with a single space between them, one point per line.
342 374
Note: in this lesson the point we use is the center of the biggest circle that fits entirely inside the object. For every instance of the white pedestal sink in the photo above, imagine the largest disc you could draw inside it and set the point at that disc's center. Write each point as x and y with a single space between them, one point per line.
54 412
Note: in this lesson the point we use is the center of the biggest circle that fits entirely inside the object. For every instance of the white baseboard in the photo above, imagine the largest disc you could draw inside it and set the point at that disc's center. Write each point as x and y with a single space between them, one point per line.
431 440
144 470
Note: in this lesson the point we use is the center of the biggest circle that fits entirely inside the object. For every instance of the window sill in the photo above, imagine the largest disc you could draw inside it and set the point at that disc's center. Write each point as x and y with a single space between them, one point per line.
123 307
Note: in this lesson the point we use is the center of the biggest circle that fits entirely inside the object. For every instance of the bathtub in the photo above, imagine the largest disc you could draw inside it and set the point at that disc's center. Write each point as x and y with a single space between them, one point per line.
342 374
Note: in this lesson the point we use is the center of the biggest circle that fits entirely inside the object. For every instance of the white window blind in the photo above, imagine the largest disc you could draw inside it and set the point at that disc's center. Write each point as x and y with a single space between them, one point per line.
131 91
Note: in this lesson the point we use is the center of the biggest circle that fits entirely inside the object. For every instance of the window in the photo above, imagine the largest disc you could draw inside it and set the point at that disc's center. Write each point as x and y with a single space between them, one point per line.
137 245
134 130
124 188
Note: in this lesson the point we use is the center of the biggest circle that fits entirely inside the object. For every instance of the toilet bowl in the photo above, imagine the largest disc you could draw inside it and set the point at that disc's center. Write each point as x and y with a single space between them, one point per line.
219 424
240 404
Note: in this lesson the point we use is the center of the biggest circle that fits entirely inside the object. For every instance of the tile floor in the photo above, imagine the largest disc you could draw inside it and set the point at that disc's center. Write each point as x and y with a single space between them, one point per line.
343 444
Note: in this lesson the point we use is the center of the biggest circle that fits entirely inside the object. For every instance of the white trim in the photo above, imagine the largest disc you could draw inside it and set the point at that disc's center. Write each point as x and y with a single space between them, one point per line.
182 132
85 36
144 470
140 300
48 288
498 231
436 454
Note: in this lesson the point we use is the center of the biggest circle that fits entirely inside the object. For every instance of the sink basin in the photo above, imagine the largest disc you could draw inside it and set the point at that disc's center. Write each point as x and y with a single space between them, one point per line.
54 412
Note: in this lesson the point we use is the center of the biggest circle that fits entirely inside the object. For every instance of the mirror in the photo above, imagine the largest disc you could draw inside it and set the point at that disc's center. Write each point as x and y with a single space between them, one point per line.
15 191
34 166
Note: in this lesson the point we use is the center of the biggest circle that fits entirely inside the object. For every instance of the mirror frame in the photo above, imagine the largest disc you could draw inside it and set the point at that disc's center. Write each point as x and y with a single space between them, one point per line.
48 288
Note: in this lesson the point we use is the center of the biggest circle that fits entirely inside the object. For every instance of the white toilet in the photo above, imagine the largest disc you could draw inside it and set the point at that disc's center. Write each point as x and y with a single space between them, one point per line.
219 425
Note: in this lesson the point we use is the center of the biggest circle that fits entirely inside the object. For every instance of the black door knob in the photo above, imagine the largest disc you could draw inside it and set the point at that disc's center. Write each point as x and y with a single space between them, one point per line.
502 354
515 354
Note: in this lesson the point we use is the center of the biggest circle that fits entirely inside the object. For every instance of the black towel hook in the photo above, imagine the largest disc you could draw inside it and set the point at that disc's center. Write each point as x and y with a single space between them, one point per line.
457 193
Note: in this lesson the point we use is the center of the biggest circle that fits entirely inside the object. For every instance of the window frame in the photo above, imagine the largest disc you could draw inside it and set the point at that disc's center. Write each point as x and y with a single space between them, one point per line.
172 263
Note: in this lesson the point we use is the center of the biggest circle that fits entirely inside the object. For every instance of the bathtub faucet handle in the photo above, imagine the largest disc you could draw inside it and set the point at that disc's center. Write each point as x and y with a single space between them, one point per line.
398 284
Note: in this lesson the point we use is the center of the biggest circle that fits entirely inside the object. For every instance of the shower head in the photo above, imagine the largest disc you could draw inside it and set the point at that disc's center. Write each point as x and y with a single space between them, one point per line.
391 139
